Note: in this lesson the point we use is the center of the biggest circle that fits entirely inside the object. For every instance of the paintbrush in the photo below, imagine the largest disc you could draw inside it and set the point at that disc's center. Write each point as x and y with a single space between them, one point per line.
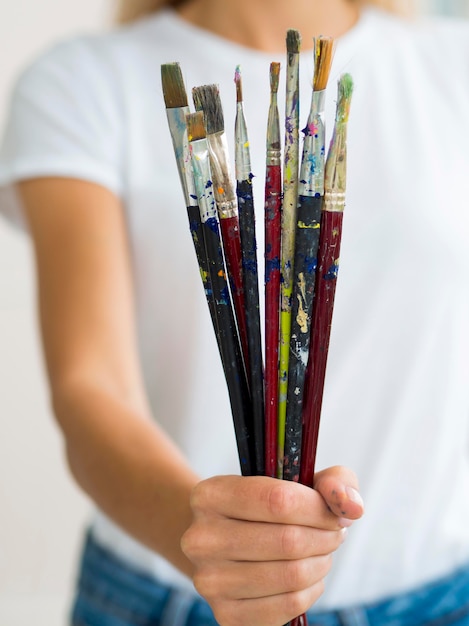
272 225
247 229
177 108
328 266
310 200
290 198
227 334
207 99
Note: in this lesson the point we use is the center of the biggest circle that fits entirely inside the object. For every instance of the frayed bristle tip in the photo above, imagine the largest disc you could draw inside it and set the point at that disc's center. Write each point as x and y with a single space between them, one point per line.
207 99
239 84
293 41
344 97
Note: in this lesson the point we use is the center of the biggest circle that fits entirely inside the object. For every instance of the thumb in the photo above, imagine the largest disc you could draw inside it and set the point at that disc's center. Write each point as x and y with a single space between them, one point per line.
339 487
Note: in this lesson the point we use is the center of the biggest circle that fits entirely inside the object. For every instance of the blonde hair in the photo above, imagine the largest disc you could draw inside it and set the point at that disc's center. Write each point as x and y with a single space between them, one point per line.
130 10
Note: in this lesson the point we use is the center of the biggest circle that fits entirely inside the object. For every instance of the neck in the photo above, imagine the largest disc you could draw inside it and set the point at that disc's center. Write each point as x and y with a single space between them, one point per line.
238 20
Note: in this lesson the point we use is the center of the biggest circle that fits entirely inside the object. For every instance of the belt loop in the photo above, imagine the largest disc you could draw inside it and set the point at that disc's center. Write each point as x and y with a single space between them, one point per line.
353 617
178 607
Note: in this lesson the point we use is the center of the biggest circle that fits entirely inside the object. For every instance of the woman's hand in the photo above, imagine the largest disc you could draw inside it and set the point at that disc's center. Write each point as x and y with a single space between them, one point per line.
261 547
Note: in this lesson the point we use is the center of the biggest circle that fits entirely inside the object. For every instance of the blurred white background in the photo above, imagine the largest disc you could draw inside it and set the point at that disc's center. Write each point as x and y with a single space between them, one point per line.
42 513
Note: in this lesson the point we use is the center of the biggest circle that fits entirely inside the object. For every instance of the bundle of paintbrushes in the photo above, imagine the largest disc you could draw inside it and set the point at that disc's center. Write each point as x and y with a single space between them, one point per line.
276 413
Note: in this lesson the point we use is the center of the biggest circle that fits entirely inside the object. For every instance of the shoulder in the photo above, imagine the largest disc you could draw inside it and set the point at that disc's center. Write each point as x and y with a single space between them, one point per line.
101 57
428 36
426 53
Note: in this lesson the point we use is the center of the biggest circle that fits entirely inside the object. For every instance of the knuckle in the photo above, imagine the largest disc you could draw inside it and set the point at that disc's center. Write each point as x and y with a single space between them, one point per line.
206 583
226 614
297 575
324 566
291 541
194 543
201 495
280 500
296 603
189 543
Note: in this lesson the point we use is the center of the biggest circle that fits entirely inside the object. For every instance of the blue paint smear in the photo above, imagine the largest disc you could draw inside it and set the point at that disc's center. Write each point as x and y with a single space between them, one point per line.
311 264
209 184
212 223
244 196
194 226
193 196
250 266
271 265
225 296
331 272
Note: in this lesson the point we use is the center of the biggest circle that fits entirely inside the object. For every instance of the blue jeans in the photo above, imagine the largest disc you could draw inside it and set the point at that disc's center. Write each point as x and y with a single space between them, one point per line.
110 593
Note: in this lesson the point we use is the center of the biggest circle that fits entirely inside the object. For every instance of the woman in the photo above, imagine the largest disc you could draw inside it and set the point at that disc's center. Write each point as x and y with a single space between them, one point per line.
135 379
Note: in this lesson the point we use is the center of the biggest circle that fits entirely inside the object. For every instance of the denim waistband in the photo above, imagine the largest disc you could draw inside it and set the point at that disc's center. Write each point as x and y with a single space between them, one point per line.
111 593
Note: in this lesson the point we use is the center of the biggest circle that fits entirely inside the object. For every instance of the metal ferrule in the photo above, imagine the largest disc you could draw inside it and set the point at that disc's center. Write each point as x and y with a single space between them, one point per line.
203 179
242 156
336 170
273 156
223 189
178 130
334 201
313 158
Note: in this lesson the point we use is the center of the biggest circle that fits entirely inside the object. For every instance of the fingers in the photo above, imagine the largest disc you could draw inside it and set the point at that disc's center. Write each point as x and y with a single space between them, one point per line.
339 488
263 499
261 547
234 540
268 611
240 581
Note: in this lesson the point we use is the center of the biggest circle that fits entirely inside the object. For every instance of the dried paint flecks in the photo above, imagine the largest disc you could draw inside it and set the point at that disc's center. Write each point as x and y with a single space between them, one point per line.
332 272
271 265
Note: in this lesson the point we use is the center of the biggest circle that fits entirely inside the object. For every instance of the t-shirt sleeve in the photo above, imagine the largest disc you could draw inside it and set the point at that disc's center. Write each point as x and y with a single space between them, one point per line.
64 120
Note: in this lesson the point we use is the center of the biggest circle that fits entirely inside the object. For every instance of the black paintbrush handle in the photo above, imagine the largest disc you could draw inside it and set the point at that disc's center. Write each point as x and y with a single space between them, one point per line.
197 233
229 347
247 229
306 250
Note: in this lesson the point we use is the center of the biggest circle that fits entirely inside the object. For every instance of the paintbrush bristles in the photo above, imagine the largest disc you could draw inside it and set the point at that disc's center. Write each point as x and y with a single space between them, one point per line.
293 41
274 77
323 54
336 165
239 84
207 99
195 126
174 91
344 98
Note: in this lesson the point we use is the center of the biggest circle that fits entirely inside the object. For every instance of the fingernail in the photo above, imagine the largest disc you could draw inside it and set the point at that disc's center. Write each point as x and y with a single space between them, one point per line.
344 534
353 495
344 522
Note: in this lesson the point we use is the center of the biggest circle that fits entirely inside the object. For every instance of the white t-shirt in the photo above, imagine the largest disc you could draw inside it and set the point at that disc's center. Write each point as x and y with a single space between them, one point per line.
396 406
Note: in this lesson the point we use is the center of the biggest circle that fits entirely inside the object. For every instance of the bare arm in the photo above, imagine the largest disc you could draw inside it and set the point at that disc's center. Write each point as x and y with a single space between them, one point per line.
115 451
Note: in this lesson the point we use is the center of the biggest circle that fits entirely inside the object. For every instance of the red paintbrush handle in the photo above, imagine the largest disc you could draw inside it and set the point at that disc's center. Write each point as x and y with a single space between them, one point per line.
328 266
232 247
273 206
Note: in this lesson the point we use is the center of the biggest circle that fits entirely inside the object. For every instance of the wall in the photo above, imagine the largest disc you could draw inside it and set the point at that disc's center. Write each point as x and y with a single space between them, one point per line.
42 512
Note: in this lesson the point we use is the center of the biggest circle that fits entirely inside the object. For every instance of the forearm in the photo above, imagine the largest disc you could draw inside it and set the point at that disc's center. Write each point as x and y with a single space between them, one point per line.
129 467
